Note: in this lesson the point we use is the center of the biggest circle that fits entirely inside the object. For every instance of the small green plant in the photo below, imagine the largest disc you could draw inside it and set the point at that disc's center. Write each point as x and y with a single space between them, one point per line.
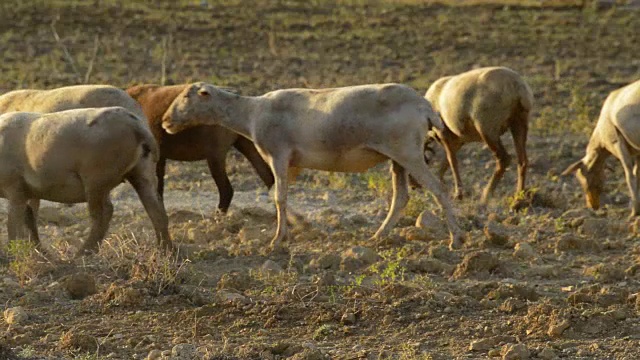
27 352
323 331
378 183
23 262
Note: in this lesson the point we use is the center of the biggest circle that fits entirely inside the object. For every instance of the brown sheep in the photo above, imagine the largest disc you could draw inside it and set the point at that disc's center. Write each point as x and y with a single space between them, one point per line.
77 156
481 105
346 129
209 143
617 133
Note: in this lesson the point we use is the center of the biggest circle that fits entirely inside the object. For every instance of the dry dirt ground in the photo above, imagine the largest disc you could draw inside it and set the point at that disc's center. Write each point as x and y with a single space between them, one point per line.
553 280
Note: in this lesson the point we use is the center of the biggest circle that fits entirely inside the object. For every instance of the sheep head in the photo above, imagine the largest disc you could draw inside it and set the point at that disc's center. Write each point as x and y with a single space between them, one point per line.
195 105
590 180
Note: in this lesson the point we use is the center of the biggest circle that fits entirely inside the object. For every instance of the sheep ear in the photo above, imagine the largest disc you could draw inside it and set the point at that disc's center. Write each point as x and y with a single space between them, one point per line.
203 92
578 165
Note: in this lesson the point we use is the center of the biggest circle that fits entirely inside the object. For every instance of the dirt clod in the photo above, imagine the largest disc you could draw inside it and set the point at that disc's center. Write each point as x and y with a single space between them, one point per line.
515 352
72 340
80 285
496 234
476 263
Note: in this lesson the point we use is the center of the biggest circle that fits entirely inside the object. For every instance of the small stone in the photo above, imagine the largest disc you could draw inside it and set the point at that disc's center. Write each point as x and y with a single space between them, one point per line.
271 266
15 315
80 285
524 250
184 352
515 352
547 354
348 318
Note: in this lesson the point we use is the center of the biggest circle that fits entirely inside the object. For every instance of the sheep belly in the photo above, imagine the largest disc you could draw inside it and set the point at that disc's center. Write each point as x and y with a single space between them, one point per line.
351 160
63 188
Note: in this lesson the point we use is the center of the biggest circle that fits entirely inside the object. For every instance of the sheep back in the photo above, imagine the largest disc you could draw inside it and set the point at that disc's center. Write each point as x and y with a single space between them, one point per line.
67 98
622 107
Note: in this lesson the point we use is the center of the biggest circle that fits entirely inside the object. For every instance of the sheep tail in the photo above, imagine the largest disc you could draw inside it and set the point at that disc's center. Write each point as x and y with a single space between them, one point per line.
526 96
146 139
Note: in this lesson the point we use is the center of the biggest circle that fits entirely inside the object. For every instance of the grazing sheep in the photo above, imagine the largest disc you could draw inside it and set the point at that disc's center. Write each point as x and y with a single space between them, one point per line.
77 156
480 105
209 143
617 132
67 98
346 129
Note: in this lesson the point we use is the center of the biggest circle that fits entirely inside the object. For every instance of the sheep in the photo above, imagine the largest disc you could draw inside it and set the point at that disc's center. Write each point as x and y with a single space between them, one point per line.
205 142
480 105
347 129
617 132
67 98
75 156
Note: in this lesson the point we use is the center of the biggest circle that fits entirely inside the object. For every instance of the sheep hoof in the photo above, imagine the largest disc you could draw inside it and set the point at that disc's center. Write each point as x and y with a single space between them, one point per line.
458 195
456 241
87 250
278 249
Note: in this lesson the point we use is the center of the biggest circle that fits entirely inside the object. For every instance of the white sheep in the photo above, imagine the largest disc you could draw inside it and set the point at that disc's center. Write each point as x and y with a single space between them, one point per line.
617 132
77 156
346 129
481 105
67 98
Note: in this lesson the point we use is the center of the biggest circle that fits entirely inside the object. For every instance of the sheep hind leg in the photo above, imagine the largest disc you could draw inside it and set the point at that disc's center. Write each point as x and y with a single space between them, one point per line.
145 186
30 219
502 162
451 148
218 169
279 166
160 169
399 179
418 169
519 132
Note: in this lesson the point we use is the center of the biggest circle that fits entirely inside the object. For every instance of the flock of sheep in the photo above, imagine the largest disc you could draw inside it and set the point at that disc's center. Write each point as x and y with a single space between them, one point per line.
75 144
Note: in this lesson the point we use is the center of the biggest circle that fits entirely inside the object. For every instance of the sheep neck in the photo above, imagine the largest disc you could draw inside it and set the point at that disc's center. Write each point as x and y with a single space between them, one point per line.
595 161
237 114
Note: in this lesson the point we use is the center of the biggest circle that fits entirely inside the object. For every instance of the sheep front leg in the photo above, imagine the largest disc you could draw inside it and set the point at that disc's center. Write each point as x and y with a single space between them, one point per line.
16 218
280 167
399 180
630 175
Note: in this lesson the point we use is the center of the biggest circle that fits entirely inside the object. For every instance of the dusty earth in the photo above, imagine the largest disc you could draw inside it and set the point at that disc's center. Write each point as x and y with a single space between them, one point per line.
553 280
